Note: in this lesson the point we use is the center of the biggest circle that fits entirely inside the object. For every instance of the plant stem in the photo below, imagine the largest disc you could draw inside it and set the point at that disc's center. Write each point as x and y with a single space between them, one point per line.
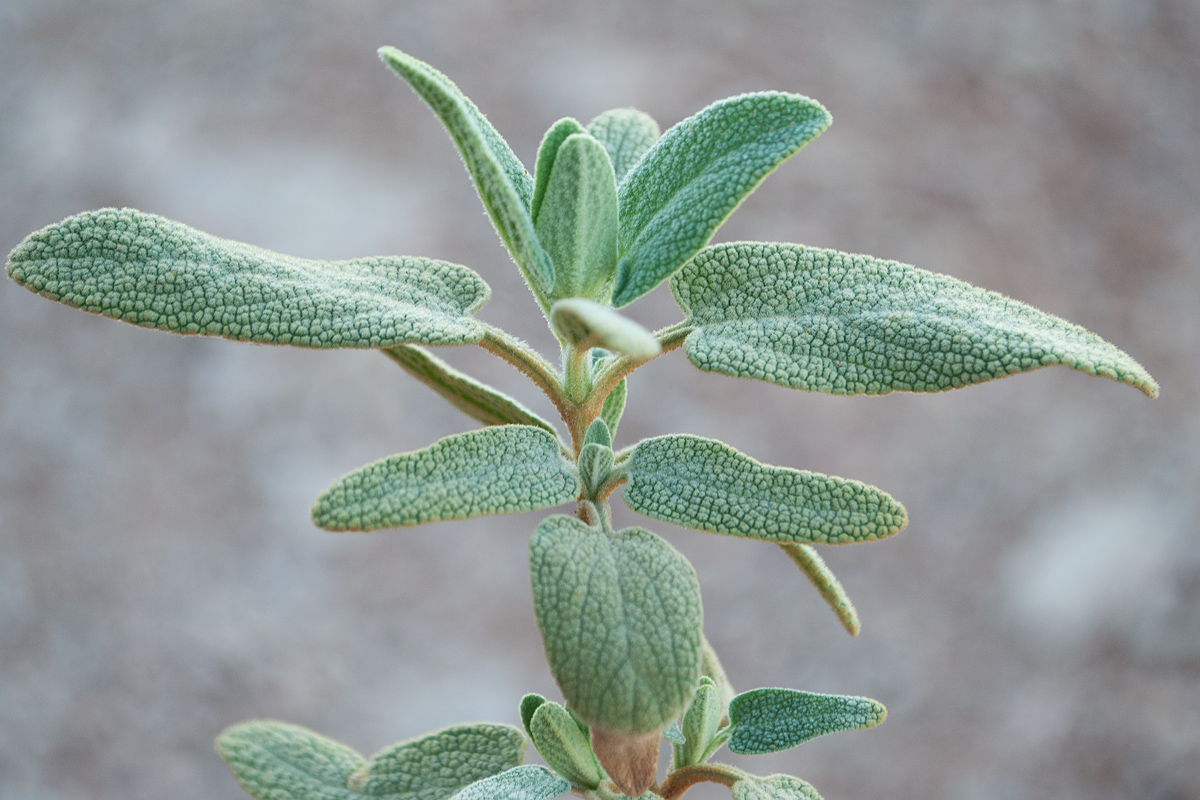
529 361
681 780
669 337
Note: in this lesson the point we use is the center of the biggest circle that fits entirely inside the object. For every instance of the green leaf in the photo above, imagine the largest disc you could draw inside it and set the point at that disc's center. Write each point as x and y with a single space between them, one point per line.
595 465
700 723
620 617
597 433
822 577
505 469
775 787
697 174
530 704
825 321
150 271
530 782
577 219
564 746
502 182
477 400
277 761
586 323
707 485
626 134
547 151
769 720
614 406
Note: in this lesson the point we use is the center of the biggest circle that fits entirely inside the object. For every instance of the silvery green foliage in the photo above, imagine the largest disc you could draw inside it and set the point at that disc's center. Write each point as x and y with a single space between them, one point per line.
613 209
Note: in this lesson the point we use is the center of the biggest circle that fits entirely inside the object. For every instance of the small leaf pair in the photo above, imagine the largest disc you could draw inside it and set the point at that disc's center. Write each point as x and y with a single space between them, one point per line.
562 740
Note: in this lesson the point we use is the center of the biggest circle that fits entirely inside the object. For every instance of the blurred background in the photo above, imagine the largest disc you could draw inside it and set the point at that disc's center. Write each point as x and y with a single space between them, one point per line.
1035 632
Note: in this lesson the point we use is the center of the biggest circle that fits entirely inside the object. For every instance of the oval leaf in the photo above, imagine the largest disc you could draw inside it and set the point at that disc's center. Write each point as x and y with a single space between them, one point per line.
564 746
707 485
547 151
626 134
150 271
505 469
277 761
769 720
501 180
620 616
825 321
477 400
530 782
586 323
774 787
697 174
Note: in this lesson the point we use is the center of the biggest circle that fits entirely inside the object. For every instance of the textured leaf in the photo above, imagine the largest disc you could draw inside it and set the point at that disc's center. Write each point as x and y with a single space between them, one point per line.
505 469
626 134
769 720
620 617
700 723
577 220
597 433
614 406
585 323
547 151
564 746
502 182
150 271
697 174
707 485
277 761
530 704
775 787
595 465
530 782
814 568
477 400
832 322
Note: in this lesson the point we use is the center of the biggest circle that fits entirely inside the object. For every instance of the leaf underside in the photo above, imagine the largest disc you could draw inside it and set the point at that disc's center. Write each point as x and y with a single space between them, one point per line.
150 271
504 185
708 485
774 787
626 134
529 782
505 469
822 578
693 177
769 720
588 324
621 620
477 400
278 761
826 321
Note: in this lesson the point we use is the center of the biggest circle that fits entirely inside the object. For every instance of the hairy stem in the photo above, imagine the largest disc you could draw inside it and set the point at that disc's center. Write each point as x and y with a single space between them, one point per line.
530 363
681 780
669 337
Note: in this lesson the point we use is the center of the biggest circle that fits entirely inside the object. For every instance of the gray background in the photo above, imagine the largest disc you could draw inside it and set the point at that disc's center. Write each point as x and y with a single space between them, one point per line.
1035 632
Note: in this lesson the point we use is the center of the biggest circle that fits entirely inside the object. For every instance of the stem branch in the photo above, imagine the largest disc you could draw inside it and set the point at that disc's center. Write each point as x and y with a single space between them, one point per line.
681 780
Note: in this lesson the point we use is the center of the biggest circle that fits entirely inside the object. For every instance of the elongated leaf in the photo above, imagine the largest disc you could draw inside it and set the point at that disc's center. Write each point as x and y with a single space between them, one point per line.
564 746
477 400
614 406
530 704
620 617
814 568
277 761
832 322
774 787
547 152
697 174
769 720
502 182
595 465
505 469
150 271
586 323
577 219
626 134
705 484
700 723
530 782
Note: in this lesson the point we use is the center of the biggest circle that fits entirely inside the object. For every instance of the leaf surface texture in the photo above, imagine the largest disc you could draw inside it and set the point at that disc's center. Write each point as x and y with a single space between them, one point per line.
769 720
529 782
626 134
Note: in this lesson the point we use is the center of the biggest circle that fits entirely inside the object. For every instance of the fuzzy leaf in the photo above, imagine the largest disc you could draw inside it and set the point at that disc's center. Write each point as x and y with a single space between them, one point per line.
547 151
821 576
506 469
530 782
774 787
700 723
697 174
577 219
530 704
277 761
150 271
595 464
502 182
825 321
586 323
597 433
621 620
707 485
769 720
626 134
614 406
564 746
477 400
